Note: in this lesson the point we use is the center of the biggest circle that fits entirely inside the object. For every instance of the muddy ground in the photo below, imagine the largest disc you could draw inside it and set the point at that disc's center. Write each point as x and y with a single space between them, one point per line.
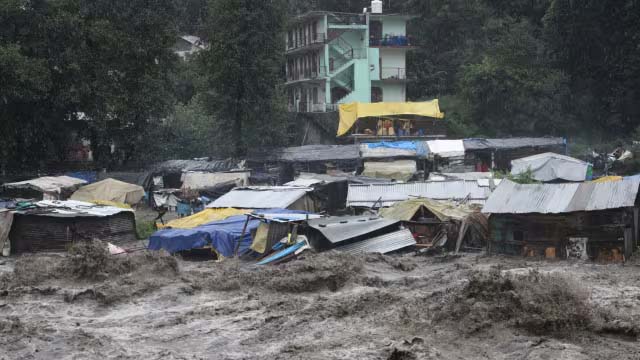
89 305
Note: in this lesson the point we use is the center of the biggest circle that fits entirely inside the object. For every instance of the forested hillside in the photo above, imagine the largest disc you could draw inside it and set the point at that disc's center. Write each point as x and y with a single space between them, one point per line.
500 68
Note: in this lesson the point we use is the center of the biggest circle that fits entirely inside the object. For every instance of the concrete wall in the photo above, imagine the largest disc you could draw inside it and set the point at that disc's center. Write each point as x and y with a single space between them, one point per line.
394 26
392 92
393 58
374 63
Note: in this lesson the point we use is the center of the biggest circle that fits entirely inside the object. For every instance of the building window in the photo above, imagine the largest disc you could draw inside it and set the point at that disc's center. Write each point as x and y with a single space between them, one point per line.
376 94
315 96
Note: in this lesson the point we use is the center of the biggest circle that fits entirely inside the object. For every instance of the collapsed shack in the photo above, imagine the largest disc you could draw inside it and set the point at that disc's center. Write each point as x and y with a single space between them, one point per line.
43 188
251 234
358 234
54 225
441 223
588 220
282 164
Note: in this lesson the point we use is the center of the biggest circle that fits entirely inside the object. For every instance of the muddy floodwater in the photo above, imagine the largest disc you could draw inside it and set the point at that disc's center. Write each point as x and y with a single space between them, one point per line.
323 306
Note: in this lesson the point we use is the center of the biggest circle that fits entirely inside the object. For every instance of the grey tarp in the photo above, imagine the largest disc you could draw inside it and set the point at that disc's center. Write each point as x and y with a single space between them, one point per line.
550 166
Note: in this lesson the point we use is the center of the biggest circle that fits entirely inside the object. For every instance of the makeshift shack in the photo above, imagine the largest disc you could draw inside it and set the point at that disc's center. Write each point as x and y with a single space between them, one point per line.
548 167
222 236
54 225
571 220
384 195
441 223
283 163
43 188
485 154
400 170
358 234
330 192
268 197
110 190
239 234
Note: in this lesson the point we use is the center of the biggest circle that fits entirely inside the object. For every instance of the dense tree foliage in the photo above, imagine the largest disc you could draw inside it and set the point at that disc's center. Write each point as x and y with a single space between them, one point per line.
106 71
106 63
244 68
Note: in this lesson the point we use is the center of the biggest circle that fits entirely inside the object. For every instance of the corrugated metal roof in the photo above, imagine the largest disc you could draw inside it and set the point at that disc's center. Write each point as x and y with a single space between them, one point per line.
367 195
512 198
381 244
512 143
341 228
268 197
71 208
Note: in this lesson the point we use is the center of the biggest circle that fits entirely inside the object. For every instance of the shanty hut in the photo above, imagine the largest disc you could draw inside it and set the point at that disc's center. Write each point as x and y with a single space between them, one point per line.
441 223
43 188
110 190
484 154
582 220
54 225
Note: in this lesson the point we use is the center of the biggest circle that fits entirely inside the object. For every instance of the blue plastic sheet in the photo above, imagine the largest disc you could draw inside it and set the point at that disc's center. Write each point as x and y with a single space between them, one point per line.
88 176
404 145
222 235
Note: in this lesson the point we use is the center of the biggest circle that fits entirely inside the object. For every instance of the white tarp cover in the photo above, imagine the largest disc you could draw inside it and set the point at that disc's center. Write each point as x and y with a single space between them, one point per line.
51 185
401 170
196 180
551 166
110 190
72 208
446 148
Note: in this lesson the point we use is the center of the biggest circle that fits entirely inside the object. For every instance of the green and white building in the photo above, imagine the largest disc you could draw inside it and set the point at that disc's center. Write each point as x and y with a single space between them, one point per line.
335 58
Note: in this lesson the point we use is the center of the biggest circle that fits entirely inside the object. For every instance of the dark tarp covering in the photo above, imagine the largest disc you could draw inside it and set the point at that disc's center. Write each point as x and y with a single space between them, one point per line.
307 153
511 143
179 166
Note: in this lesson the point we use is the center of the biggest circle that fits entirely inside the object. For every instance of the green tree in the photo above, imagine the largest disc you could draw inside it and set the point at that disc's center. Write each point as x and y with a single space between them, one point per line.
244 65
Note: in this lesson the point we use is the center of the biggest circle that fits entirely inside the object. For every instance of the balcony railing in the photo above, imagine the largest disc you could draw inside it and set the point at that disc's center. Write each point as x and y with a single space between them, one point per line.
391 41
309 107
318 73
347 19
392 73
318 38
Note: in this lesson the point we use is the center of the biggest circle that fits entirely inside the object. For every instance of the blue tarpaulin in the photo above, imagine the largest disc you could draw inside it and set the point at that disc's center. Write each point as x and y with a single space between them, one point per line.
404 145
222 235
88 176
420 147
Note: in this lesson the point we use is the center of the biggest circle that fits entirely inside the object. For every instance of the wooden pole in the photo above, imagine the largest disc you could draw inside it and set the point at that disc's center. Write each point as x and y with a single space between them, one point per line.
244 230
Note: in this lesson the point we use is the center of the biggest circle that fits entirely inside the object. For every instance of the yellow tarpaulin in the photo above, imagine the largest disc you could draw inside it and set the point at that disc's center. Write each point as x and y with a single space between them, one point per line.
203 217
605 179
443 210
350 113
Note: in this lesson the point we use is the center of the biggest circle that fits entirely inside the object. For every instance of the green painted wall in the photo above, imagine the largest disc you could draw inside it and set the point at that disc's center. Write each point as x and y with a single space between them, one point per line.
374 63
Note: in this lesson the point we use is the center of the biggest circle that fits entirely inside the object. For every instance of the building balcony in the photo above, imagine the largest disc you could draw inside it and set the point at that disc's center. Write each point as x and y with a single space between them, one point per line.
310 75
311 42
306 107
391 41
393 74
